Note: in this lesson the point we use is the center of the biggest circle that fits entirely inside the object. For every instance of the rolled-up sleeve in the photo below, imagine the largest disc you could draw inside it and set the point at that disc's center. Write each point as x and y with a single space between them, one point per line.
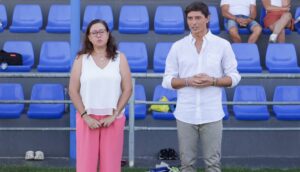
171 69
229 65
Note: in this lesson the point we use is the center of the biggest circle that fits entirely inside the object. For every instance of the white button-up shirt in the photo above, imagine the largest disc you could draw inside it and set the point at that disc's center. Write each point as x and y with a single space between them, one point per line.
216 59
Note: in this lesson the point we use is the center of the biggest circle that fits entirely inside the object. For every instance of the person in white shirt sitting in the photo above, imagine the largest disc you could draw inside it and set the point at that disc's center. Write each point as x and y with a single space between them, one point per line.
241 14
198 69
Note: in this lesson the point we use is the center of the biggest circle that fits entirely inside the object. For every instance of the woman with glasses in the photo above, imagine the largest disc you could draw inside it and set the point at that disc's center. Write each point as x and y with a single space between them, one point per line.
100 86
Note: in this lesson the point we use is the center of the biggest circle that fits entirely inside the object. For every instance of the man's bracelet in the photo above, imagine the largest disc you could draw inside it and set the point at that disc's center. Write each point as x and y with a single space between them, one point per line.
84 113
186 82
214 81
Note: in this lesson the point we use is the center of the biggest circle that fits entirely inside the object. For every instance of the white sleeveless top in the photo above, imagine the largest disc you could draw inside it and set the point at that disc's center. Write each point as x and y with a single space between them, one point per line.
100 88
277 3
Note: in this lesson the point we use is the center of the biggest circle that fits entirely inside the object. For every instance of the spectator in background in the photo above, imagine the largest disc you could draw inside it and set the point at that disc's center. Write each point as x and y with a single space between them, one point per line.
100 86
241 13
198 69
278 17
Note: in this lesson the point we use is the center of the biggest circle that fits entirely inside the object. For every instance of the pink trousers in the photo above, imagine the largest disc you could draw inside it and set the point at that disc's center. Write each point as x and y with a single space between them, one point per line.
102 146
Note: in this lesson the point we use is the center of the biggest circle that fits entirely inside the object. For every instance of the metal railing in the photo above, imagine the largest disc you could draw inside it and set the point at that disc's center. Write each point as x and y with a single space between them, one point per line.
131 128
148 75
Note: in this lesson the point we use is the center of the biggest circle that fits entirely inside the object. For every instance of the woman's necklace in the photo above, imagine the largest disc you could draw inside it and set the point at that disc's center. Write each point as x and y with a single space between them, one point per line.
102 60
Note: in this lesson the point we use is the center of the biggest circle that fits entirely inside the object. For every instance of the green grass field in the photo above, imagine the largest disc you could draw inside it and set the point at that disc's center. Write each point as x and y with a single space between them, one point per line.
40 169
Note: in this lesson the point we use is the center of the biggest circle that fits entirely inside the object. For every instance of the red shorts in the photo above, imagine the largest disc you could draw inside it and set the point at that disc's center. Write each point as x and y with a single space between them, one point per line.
272 16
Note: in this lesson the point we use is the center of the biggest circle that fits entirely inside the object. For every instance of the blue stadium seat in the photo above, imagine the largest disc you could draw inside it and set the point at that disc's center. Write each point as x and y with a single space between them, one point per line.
55 57
169 20
160 54
253 93
247 56
3 17
287 94
171 96
26 18
140 110
261 22
282 58
59 19
214 25
103 12
297 25
24 48
134 19
225 107
242 30
46 92
136 53
11 91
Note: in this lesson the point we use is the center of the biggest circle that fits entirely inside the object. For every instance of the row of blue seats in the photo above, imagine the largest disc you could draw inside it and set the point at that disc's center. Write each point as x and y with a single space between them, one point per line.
13 91
55 57
133 19
280 58
243 93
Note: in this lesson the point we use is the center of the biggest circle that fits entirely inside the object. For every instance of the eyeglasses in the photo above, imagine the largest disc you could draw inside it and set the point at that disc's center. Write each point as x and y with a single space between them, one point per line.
99 32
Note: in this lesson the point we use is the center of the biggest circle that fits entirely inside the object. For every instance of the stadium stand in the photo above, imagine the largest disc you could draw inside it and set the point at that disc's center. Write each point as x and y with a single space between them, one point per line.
140 110
160 54
27 18
11 91
55 57
103 12
46 92
59 19
253 93
25 49
169 20
137 56
287 94
260 148
3 17
282 58
248 58
134 19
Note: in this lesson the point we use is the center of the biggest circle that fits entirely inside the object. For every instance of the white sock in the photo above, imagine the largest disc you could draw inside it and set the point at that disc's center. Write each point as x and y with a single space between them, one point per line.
273 37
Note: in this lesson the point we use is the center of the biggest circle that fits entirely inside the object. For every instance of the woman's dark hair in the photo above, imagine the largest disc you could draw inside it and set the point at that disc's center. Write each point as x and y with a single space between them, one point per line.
87 47
197 6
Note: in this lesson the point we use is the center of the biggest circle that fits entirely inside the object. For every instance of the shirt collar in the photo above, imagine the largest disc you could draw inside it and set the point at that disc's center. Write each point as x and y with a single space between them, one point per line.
206 37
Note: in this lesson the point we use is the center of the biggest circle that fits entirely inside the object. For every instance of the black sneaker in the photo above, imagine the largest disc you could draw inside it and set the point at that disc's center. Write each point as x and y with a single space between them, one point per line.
172 155
163 154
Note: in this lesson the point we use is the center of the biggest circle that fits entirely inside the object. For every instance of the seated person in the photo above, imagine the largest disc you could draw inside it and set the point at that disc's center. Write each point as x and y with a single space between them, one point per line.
241 14
278 16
